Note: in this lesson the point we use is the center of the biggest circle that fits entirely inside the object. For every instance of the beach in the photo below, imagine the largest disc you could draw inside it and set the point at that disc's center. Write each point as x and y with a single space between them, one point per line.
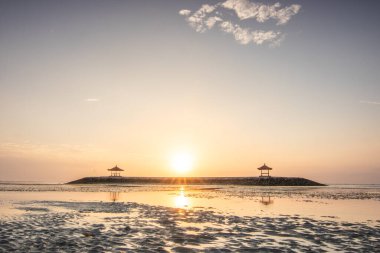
189 126
157 218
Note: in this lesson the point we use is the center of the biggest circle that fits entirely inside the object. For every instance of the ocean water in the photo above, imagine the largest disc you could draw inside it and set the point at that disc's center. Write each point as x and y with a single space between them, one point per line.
353 203
40 217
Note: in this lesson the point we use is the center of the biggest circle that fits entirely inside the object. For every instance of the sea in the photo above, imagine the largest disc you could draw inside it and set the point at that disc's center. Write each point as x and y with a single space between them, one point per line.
211 218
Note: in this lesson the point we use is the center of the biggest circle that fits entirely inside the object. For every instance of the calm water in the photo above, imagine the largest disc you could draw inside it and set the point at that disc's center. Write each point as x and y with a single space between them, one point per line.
341 202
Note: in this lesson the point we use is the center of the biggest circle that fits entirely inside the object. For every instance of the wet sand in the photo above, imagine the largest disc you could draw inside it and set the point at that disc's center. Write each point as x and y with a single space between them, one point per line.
53 218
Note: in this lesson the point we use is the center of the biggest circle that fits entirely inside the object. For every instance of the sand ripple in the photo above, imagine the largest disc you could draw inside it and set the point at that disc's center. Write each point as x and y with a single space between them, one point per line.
98 227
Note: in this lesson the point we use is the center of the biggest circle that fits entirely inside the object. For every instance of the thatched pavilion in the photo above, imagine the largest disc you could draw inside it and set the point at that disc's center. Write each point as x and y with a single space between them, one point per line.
115 171
264 170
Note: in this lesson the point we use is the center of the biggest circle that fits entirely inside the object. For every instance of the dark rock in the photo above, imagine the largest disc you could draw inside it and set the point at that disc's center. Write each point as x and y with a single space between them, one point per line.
258 181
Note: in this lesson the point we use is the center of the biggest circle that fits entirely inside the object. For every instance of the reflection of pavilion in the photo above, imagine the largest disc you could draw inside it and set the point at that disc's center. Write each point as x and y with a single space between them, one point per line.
114 196
266 200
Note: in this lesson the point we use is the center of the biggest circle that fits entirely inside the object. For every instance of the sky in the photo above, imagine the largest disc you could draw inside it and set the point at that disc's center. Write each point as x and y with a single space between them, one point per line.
88 84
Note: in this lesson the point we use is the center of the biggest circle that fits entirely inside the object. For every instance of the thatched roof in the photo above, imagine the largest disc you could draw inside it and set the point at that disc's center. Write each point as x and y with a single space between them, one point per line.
116 169
264 167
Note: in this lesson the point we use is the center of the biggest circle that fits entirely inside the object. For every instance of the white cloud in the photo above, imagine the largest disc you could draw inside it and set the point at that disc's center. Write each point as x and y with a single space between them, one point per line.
370 102
227 26
262 12
91 100
198 19
277 42
210 22
259 37
206 17
285 14
184 12
245 35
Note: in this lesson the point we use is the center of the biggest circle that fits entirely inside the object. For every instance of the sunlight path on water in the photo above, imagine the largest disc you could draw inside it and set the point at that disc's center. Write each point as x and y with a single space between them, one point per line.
324 203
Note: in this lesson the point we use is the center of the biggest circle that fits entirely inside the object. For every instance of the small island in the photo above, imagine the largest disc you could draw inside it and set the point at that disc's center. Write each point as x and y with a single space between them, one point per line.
263 180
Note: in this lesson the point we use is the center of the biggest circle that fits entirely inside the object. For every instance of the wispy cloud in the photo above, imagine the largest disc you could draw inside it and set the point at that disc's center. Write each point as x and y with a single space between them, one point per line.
370 102
184 12
91 100
27 148
262 12
245 36
198 19
209 16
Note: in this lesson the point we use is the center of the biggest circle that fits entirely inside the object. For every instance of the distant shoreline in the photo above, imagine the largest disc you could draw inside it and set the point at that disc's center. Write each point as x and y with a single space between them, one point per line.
254 181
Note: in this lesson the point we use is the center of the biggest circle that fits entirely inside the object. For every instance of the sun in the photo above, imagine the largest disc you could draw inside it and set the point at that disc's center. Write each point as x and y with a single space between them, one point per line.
182 162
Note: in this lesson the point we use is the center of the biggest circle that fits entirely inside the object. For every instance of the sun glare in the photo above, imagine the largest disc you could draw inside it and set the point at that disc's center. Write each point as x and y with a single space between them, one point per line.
182 162
181 201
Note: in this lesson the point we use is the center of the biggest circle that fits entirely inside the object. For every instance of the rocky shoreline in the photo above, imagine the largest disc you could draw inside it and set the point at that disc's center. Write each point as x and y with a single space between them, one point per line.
254 181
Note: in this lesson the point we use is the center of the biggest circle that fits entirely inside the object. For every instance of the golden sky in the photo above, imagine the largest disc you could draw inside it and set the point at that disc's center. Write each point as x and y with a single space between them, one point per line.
85 85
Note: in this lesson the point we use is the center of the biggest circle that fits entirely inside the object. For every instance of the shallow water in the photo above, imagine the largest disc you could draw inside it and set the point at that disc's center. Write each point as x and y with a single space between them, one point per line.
338 202
189 218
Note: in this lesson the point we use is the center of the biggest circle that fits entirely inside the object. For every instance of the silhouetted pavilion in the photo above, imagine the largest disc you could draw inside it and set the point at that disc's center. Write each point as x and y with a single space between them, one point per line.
264 170
115 171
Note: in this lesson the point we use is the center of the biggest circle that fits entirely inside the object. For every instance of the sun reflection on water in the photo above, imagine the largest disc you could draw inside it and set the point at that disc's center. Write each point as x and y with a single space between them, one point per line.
181 201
